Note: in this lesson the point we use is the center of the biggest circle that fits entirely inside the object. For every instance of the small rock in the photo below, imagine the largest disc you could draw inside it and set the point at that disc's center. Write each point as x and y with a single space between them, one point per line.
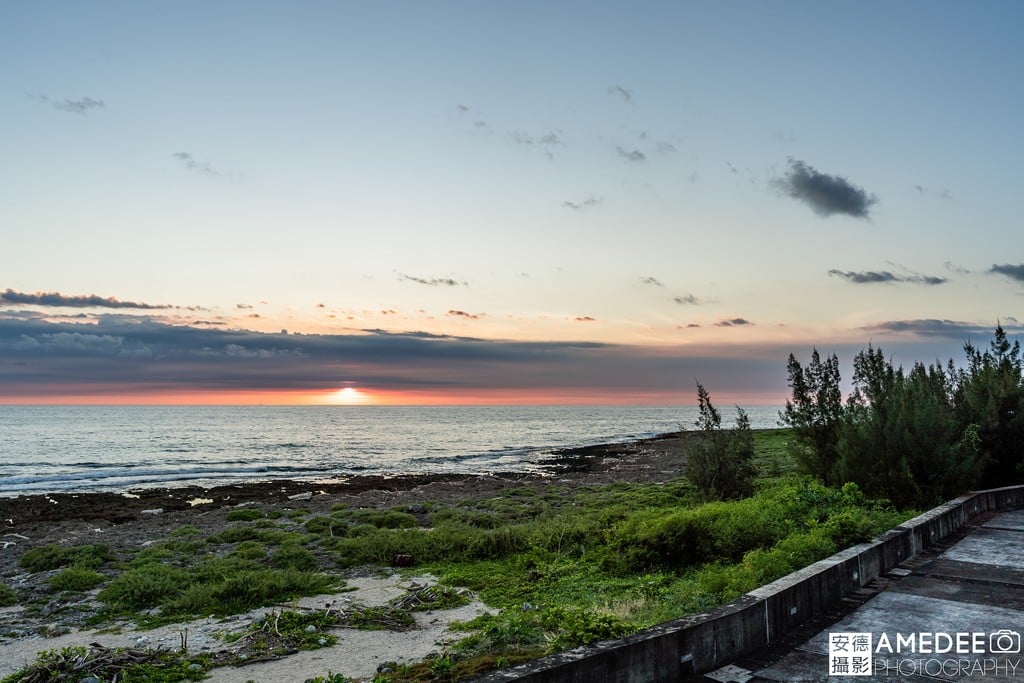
153 511
311 629
308 495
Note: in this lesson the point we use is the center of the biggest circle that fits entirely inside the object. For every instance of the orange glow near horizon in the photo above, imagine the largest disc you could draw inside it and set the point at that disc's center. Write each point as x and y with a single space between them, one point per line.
352 396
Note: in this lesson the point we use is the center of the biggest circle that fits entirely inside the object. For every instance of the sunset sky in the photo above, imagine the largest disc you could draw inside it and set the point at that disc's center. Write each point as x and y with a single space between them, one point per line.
500 202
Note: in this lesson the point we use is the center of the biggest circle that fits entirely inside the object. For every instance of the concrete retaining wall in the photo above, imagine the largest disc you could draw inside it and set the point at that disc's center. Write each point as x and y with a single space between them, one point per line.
704 642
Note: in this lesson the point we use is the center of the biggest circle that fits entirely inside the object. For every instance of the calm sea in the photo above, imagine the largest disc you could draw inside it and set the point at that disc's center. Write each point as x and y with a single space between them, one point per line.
117 448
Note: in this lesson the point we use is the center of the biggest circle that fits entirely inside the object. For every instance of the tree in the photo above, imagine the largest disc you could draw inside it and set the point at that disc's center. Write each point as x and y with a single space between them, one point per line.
815 413
899 437
720 462
990 396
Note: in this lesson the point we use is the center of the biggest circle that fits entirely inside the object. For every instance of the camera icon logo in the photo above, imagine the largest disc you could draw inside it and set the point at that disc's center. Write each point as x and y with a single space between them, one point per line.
1004 642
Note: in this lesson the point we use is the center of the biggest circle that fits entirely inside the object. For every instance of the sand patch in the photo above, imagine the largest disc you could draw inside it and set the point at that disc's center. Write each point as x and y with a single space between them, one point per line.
357 654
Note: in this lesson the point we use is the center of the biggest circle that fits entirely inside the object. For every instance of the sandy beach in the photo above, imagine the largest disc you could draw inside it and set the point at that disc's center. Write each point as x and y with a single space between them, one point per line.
131 521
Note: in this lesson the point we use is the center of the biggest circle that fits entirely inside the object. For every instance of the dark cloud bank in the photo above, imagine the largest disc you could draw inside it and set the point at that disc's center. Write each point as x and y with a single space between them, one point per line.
13 298
825 194
119 353
1014 272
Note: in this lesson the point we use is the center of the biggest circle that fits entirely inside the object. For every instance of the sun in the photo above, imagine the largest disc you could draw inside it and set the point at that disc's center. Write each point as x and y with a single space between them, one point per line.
349 396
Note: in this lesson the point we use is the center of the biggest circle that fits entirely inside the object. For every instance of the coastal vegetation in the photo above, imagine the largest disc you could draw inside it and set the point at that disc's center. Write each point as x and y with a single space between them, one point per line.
563 565
915 437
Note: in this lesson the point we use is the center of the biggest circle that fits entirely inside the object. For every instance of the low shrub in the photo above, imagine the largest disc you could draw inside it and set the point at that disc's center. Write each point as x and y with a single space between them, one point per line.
76 579
7 596
46 557
245 515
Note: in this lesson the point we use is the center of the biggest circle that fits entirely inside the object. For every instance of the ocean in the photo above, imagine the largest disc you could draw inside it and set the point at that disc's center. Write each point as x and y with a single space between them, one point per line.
119 448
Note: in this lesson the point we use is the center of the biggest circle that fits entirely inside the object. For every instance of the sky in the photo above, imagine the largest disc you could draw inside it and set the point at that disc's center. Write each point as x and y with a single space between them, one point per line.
498 202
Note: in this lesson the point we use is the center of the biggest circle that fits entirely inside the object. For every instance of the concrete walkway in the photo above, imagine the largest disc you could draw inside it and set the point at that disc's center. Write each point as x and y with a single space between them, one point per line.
954 612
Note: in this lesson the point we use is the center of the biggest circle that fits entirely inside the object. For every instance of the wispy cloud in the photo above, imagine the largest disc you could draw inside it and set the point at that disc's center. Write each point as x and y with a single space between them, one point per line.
863 277
825 194
942 194
82 106
546 142
455 313
634 155
1014 272
196 166
432 282
585 204
585 319
620 92
733 322
652 281
56 299
688 300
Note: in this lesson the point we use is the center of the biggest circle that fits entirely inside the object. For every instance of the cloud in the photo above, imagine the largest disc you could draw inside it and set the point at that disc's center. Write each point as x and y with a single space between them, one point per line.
546 142
82 106
652 281
953 268
201 167
117 355
432 282
13 298
734 322
631 154
584 319
586 203
455 313
689 300
1014 272
244 307
619 91
825 194
875 276
933 327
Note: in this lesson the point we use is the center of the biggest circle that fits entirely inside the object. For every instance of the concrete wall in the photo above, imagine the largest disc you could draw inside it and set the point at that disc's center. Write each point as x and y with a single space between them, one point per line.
704 642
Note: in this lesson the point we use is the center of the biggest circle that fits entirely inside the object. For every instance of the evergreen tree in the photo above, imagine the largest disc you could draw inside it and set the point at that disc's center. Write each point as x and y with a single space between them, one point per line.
720 462
815 413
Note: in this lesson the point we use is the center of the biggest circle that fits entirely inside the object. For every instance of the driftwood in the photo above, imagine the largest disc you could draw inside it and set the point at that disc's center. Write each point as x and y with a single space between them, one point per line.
76 664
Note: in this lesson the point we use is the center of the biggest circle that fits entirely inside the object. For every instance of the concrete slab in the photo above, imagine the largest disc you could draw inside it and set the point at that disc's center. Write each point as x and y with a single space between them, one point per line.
992 593
975 586
1013 520
999 547
730 674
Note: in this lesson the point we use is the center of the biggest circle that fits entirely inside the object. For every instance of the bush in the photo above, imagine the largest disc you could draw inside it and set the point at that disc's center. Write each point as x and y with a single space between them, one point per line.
7 596
292 556
77 579
47 557
245 515
144 587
